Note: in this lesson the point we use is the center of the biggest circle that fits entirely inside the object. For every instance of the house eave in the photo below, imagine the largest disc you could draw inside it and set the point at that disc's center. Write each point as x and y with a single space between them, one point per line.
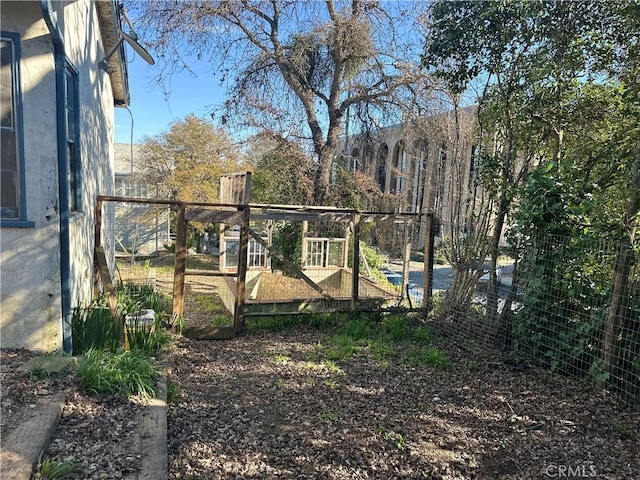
110 25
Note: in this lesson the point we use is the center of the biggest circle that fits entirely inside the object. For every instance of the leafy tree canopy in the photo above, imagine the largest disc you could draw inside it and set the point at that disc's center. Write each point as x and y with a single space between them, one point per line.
186 161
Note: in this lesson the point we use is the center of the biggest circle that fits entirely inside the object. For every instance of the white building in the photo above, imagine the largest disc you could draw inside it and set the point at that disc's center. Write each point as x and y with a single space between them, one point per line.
57 110
138 229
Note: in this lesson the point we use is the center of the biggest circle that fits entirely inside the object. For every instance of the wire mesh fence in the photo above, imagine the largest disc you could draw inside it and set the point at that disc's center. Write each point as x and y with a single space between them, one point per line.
296 260
568 304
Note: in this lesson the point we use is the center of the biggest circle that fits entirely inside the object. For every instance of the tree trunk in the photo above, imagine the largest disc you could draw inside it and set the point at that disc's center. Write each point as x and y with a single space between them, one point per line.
616 314
326 155
620 294
323 177
492 289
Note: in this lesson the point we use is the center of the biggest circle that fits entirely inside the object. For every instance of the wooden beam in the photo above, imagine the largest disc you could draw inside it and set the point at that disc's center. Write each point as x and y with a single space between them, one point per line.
301 216
107 284
209 215
179 267
211 273
241 282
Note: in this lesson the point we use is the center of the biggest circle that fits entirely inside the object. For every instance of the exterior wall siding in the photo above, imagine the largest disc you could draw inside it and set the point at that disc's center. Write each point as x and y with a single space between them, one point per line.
30 257
30 284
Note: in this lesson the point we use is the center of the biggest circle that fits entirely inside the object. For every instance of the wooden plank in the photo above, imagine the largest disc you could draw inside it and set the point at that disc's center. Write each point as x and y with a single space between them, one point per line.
210 273
179 267
235 188
273 252
208 215
238 311
302 216
107 284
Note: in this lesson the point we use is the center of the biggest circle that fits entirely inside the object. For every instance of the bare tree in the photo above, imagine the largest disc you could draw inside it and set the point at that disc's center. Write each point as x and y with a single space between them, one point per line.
293 63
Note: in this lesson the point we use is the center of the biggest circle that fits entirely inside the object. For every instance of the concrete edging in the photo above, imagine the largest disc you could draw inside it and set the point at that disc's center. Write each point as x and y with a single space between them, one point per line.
23 446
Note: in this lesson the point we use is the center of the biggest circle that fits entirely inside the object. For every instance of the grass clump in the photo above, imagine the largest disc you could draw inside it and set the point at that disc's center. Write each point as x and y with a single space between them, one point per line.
49 469
146 338
94 327
429 356
124 373
383 337
38 372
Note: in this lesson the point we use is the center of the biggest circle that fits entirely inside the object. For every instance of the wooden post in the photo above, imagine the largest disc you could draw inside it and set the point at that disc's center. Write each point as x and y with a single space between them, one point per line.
96 244
179 267
305 232
428 260
238 311
355 274
406 257
107 284
345 244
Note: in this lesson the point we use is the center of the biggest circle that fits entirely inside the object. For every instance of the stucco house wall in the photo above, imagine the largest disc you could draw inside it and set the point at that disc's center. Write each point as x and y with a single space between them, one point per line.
31 305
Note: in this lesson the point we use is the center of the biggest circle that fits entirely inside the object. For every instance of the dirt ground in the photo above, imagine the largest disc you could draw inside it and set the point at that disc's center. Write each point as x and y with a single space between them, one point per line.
266 405
272 405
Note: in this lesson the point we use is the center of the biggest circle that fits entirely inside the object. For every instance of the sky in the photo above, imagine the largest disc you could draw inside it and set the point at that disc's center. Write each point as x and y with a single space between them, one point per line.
153 110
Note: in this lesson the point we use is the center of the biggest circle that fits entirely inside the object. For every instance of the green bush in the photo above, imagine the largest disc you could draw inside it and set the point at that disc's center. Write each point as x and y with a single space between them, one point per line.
146 338
94 327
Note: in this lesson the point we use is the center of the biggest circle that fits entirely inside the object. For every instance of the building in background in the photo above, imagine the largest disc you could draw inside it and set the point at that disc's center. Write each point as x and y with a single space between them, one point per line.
139 229
422 166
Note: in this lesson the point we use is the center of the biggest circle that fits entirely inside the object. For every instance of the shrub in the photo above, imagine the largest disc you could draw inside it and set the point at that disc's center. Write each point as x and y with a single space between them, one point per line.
93 327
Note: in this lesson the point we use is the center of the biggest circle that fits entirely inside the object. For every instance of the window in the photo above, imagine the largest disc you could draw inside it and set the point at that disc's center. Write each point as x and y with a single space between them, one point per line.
12 187
72 134
257 255
324 252
315 253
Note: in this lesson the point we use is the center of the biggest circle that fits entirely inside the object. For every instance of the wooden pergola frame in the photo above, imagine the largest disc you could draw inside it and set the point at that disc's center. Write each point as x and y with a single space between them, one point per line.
242 214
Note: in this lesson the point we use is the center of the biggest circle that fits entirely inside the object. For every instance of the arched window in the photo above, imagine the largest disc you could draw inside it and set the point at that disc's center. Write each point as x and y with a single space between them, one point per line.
399 171
418 169
381 170
367 158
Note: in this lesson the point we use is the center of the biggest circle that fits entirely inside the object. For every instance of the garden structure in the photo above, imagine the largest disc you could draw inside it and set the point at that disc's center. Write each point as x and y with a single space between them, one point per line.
256 278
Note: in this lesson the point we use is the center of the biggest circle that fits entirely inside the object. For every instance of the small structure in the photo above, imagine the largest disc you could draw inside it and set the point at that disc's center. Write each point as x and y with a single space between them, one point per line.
139 229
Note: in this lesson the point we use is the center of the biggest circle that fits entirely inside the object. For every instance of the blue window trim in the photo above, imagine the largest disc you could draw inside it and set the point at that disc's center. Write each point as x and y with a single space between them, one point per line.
77 165
22 221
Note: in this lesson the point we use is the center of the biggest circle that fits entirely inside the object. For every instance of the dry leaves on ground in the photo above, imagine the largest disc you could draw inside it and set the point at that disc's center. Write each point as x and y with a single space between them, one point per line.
270 405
